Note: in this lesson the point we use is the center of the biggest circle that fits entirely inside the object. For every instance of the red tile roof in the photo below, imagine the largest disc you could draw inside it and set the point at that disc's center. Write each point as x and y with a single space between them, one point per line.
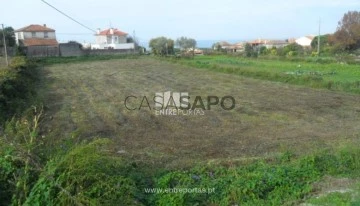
39 42
35 27
116 32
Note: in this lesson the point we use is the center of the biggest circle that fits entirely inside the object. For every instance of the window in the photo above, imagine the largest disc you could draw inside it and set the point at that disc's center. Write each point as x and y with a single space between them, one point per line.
46 35
33 34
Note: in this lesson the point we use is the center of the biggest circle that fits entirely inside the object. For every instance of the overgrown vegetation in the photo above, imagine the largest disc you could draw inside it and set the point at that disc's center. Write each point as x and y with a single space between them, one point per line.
9 36
162 46
282 180
87 175
17 85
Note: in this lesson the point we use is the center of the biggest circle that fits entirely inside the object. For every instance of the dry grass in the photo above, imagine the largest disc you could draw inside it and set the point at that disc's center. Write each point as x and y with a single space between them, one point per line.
87 100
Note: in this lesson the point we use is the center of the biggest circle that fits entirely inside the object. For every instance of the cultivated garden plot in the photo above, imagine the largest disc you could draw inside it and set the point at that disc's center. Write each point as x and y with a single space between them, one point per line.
86 100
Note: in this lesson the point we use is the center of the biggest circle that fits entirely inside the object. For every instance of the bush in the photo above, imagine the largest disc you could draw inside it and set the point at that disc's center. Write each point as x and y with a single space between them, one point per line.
254 184
17 86
284 181
87 175
18 62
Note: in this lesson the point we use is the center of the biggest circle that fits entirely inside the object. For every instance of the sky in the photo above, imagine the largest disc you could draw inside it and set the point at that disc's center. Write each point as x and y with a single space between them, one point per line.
232 20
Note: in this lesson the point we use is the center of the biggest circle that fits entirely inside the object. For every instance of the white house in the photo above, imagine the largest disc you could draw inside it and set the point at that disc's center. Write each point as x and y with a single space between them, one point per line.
36 35
305 41
111 39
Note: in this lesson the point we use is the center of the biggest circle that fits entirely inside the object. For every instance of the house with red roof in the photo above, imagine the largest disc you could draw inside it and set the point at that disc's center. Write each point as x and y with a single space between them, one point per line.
35 35
112 39
37 40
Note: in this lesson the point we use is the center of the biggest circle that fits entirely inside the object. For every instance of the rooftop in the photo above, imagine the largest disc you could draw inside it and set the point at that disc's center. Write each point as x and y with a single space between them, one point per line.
35 28
111 31
39 42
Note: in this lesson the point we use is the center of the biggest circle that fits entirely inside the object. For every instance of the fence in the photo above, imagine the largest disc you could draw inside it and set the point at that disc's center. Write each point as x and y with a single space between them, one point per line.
65 50
41 51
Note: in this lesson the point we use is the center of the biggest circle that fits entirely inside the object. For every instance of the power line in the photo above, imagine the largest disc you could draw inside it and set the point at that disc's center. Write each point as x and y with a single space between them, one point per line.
68 16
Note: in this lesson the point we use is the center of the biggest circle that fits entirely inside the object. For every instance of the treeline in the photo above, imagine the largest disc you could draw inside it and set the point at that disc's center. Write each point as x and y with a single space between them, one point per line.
163 46
345 40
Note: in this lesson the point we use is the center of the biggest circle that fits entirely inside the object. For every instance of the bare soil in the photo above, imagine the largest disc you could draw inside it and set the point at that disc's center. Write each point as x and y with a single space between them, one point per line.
86 100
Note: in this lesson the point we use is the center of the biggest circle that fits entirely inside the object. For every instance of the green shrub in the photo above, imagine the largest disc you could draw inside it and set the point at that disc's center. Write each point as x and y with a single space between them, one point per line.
7 170
17 88
18 62
87 175
255 184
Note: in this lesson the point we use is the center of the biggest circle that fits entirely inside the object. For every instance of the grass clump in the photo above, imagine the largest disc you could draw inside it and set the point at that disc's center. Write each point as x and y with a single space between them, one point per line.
282 181
335 199
87 175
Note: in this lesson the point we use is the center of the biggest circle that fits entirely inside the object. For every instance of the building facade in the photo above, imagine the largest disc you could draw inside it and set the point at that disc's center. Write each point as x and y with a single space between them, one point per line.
35 35
111 39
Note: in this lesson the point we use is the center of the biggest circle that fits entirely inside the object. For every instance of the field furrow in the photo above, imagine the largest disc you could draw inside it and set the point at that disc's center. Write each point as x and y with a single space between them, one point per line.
86 100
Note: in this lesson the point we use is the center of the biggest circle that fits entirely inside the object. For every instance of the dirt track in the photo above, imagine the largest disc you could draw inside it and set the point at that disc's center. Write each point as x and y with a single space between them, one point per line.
86 100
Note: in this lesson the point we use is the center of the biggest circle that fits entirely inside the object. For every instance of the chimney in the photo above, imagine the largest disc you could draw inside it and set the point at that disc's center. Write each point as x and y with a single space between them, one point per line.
44 25
98 31
111 31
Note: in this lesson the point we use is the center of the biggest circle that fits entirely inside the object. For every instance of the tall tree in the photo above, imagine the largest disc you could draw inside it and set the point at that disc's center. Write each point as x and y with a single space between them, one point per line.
9 36
162 46
249 50
216 46
347 35
185 43
325 46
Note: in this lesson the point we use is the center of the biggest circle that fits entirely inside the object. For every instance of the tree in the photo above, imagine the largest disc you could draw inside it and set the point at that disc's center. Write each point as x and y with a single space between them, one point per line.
186 44
162 46
264 50
217 47
9 36
250 51
347 35
131 39
293 49
324 43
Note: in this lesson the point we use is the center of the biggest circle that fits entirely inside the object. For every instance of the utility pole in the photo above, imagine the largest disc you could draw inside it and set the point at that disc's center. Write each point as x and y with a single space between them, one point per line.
4 40
318 49
134 41
166 46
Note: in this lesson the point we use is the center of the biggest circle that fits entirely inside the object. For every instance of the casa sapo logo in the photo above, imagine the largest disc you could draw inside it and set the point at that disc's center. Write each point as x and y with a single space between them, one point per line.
178 103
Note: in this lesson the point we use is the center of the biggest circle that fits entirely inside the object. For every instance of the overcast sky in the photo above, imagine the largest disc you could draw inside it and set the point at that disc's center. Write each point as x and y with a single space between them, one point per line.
199 19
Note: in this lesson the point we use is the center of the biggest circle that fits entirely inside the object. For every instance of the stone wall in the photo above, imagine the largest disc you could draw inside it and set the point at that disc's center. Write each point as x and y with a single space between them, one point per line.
41 51
74 49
